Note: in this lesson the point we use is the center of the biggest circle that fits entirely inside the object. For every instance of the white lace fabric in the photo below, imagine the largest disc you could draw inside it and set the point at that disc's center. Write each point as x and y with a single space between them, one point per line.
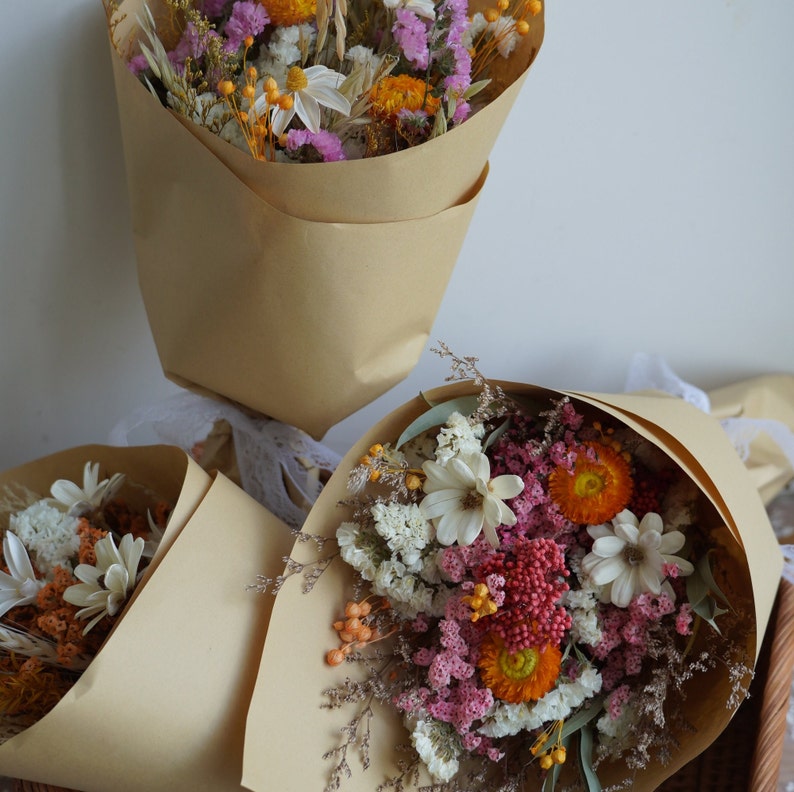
270 454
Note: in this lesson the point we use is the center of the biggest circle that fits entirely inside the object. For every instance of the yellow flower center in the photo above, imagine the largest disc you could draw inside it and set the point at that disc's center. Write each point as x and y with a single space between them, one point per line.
518 665
588 484
285 13
296 79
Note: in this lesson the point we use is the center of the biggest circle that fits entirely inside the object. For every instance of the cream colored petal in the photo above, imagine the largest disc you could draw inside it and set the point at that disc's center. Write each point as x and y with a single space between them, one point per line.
604 570
624 587
651 522
438 477
649 580
479 465
608 546
671 542
16 557
506 486
447 527
469 526
437 503
627 532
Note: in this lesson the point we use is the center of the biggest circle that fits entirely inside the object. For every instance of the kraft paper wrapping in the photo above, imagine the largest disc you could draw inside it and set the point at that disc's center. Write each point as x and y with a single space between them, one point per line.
300 291
766 398
162 707
293 672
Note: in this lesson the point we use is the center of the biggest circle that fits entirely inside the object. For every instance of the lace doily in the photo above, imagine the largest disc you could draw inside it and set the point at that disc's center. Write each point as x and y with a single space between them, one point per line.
270 455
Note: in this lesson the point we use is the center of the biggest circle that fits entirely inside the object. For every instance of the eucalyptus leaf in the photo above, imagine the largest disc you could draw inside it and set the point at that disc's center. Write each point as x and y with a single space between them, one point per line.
436 416
696 588
592 784
497 433
708 610
583 717
704 567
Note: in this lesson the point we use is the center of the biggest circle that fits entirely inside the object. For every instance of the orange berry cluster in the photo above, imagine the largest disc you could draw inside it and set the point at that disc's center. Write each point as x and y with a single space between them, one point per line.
380 461
255 126
354 630
555 754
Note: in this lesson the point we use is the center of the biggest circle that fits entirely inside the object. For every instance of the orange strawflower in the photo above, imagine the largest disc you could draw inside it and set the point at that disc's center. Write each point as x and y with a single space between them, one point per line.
392 94
290 12
594 491
525 675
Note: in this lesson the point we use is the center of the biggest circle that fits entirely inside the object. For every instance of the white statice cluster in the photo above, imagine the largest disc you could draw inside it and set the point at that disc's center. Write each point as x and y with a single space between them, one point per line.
437 746
398 557
582 606
508 719
458 438
616 734
49 534
287 46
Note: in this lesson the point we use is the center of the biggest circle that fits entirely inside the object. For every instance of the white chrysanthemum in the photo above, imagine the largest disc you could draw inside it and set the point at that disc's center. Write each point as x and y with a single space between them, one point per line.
617 734
48 533
462 499
310 89
628 557
458 438
363 56
405 530
93 492
507 719
437 747
20 586
582 606
284 48
422 8
361 556
106 585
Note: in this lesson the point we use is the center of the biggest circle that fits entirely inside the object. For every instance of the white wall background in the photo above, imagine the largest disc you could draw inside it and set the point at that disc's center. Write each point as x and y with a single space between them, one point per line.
641 198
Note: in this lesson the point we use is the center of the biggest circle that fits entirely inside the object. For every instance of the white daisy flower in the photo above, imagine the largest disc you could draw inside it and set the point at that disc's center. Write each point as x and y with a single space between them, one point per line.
93 492
462 499
310 89
20 586
106 586
628 557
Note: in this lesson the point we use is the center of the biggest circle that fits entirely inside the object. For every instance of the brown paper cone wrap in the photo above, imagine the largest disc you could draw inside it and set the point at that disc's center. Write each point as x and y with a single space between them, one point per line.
163 704
293 672
301 291
769 397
